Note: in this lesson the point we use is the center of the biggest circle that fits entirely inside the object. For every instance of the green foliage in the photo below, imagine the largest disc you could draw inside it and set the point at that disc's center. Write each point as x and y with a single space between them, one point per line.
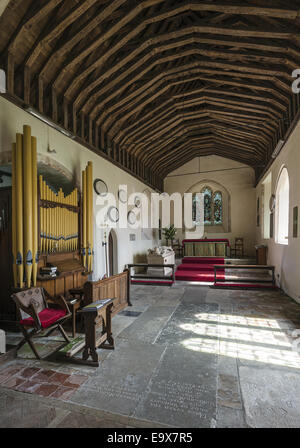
169 232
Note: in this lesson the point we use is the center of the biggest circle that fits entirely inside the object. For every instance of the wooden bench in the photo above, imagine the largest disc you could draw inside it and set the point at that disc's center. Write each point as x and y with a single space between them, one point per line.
219 281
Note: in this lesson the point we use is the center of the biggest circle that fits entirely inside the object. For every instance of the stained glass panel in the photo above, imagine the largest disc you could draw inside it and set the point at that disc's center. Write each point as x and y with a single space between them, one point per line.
207 205
195 203
218 208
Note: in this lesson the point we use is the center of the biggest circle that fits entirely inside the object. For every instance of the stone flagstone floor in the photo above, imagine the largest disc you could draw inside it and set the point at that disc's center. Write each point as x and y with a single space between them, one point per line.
185 356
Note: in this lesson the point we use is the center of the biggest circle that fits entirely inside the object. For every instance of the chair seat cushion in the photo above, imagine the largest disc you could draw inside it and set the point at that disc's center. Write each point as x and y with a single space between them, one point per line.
47 317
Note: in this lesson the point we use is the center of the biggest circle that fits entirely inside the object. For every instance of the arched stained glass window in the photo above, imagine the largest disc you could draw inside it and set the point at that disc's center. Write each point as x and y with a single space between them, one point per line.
218 208
213 207
207 192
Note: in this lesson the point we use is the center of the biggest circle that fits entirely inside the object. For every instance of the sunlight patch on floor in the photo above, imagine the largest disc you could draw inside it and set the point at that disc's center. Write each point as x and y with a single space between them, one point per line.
238 320
242 334
236 337
279 357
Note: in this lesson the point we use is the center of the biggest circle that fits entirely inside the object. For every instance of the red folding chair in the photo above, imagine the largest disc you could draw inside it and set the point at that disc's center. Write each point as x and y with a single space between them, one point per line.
37 315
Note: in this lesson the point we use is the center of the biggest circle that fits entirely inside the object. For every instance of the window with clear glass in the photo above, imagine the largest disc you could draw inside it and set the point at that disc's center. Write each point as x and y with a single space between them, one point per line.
282 208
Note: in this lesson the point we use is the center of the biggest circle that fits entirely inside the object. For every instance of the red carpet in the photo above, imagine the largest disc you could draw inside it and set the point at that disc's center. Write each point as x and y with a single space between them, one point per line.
199 269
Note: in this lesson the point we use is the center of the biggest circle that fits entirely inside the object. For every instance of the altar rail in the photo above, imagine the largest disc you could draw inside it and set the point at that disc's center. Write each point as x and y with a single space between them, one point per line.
165 279
219 281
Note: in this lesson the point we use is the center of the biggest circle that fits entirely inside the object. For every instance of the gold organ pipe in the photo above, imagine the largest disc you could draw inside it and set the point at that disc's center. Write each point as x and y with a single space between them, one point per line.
19 208
60 222
76 221
74 214
41 213
71 236
68 223
72 221
90 215
34 211
14 216
87 220
84 242
50 219
46 219
27 182
63 223
52 222
55 223
88 249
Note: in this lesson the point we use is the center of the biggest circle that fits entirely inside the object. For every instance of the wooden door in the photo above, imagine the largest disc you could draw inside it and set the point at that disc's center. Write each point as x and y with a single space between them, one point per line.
110 255
7 306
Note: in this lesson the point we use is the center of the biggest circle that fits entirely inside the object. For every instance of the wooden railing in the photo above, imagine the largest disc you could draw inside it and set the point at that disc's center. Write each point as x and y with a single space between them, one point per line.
245 267
151 277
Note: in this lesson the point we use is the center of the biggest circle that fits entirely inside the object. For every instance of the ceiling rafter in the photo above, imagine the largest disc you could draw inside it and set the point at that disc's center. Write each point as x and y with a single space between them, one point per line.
150 84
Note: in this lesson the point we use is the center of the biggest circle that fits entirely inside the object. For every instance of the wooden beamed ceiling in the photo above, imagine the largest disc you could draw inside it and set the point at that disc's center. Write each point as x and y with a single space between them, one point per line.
151 84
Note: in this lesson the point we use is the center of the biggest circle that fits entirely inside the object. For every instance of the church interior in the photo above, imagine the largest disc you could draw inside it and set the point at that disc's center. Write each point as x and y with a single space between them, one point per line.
110 320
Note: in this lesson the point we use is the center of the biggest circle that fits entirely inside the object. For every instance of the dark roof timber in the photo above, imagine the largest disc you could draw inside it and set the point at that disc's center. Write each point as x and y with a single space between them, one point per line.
150 84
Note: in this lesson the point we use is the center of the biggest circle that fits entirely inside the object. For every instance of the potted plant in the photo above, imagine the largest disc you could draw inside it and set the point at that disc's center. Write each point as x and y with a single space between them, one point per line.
169 234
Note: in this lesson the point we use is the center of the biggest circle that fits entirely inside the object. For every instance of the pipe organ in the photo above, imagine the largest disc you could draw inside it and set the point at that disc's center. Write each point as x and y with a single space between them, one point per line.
87 221
59 221
24 209
48 226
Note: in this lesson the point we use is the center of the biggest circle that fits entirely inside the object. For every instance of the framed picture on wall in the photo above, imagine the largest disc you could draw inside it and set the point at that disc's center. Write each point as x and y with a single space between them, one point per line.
295 222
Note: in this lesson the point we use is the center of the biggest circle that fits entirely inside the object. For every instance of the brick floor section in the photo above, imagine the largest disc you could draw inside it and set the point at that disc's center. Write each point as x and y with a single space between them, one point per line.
29 372
63 392
43 382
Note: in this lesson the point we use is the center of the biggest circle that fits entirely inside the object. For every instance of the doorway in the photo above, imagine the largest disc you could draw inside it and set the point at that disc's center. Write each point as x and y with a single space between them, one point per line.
112 254
7 306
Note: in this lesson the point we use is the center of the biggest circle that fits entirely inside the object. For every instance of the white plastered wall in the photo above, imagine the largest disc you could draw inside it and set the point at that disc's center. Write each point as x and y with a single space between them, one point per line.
237 179
74 157
286 258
